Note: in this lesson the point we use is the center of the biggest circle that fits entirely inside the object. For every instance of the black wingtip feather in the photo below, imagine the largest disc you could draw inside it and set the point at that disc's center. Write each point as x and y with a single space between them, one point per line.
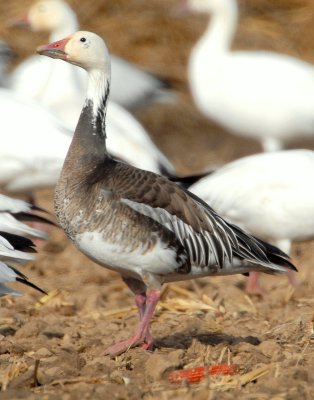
24 216
19 242
250 246
277 256
185 181
37 208
23 279
32 285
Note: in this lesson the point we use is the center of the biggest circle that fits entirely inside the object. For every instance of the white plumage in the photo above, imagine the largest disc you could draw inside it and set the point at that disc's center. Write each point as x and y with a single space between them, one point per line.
258 94
129 141
270 195
7 274
14 246
33 144
9 253
11 205
10 209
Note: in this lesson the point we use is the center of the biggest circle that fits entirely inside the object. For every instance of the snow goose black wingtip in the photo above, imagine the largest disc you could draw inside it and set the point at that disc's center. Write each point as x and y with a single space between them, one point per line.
136 222
25 216
11 274
13 214
13 246
23 279
19 242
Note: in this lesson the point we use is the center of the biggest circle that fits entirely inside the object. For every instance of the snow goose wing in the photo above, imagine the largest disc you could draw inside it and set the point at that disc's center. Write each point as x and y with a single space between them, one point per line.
13 214
11 274
14 247
136 222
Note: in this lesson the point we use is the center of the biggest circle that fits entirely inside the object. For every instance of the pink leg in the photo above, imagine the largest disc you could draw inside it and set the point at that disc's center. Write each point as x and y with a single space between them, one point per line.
292 278
140 301
253 287
252 284
141 335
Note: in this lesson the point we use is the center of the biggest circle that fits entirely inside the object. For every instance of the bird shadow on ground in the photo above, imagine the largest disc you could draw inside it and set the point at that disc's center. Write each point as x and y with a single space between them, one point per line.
183 340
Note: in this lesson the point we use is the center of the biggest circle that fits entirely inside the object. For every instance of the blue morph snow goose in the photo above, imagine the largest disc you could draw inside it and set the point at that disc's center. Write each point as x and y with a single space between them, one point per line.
61 88
258 94
270 195
15 247
136 222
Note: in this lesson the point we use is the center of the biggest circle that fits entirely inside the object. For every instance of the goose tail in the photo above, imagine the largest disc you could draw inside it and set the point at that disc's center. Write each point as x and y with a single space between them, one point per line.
280 261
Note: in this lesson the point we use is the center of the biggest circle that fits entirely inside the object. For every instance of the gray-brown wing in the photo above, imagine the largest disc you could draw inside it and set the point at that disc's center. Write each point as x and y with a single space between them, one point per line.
204 234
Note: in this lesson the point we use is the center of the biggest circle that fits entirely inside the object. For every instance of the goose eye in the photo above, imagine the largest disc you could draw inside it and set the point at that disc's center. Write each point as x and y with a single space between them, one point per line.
83 40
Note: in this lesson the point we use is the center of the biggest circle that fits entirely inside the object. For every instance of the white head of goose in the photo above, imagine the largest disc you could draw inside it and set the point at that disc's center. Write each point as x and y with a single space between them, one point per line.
136 222
53 16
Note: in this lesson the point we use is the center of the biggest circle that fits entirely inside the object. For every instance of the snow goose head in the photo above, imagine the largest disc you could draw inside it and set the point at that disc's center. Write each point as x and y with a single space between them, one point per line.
48 16
88 51
84 49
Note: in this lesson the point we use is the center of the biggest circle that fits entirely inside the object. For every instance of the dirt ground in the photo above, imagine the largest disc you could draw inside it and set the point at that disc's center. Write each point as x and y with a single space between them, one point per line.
202 322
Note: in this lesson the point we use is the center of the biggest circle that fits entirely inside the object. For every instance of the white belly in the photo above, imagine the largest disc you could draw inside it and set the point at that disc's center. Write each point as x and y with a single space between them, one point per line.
120 257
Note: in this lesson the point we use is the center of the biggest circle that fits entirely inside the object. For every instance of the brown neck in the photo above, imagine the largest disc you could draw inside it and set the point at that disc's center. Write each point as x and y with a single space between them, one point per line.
88 147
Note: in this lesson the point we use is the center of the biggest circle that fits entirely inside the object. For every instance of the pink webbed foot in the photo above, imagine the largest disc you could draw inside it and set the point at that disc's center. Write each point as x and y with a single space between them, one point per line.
146 305
149 342
124 345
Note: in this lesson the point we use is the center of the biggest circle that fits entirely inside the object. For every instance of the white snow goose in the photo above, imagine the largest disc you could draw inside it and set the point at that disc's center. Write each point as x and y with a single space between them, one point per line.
14 246
268 195
136 222
258 94
62 88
